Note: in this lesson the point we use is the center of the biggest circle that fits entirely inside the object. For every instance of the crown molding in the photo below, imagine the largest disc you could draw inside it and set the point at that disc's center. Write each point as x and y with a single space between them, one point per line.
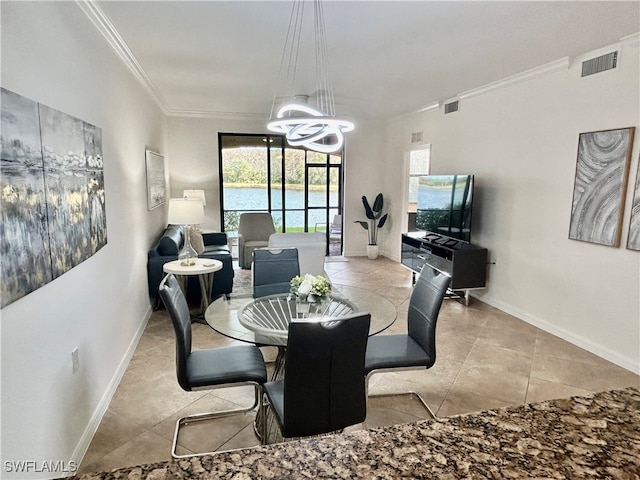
555 66
564 63
116 42
429 108
214 114
546 69
106 28
632 40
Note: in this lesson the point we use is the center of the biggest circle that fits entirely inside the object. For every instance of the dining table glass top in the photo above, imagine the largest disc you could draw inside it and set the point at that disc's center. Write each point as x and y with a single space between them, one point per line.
265 320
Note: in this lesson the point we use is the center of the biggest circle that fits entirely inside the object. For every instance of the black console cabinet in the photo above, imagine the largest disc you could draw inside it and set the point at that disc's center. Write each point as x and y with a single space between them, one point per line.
465 263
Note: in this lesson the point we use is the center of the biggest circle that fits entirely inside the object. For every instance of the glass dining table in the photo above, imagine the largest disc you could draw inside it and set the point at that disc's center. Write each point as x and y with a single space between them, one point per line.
240 317
265 321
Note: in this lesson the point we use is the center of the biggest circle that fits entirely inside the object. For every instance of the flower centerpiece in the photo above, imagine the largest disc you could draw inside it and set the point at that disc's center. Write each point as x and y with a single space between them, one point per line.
311 288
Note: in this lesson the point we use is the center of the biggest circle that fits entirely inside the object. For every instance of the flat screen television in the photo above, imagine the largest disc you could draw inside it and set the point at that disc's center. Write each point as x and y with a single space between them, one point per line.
444 205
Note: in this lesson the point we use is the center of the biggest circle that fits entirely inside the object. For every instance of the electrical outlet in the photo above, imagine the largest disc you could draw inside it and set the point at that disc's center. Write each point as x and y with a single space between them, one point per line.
75 360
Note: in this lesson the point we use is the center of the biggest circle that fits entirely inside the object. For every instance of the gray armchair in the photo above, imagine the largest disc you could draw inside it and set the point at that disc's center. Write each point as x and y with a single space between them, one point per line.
254 230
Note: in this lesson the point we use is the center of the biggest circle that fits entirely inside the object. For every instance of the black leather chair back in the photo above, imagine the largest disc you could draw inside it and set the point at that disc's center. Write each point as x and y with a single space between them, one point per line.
176 305
273 270
424 307
324 382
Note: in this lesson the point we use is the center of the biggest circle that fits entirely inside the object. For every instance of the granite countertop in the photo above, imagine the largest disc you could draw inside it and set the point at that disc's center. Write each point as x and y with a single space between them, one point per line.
596 436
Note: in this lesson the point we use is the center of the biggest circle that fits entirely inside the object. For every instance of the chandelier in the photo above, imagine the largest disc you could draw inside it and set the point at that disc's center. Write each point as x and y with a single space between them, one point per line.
314 128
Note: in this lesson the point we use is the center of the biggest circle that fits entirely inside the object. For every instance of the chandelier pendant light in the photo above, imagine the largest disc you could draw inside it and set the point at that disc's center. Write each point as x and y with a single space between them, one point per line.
314 128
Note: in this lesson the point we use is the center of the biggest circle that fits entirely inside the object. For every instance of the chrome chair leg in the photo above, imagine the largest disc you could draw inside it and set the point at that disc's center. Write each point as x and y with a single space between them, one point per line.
201 417
266 426
260 424
403 394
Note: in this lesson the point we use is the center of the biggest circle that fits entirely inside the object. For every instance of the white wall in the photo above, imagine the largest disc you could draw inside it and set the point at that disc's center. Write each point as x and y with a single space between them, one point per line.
521 143
52 54
193 151
363 175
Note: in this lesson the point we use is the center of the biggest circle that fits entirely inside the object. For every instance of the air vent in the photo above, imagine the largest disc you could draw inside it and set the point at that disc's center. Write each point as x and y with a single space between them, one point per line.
600 64
416 137
451 107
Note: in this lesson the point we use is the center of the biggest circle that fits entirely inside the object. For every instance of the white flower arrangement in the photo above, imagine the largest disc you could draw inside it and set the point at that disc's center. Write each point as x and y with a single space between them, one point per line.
309 287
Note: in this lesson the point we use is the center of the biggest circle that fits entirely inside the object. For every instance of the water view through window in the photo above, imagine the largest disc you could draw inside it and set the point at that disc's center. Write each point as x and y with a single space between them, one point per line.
300 188
252 199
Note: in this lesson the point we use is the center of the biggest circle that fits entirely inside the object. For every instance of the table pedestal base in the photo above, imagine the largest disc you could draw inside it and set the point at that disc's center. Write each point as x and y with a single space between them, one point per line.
204 268
206 283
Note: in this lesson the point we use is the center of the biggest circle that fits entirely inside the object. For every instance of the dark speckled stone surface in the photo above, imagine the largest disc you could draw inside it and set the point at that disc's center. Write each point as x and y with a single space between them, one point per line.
595 436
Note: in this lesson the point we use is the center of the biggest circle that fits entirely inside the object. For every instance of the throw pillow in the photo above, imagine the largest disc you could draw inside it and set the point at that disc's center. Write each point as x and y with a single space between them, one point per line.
197 242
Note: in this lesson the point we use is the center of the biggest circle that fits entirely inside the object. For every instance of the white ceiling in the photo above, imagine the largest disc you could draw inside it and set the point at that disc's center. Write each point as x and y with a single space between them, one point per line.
385 57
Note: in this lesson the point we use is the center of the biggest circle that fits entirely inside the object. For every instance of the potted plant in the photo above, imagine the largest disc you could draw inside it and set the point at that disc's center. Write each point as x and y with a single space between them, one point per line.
375 220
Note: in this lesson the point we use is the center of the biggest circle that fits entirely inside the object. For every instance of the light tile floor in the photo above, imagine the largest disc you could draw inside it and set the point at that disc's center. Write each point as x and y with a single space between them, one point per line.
486 359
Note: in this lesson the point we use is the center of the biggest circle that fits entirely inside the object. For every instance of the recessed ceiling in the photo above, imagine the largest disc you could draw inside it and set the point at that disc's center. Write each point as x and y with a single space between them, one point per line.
385 57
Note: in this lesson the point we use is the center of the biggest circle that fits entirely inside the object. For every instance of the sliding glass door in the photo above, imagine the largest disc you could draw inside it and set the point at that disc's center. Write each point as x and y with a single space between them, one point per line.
301 189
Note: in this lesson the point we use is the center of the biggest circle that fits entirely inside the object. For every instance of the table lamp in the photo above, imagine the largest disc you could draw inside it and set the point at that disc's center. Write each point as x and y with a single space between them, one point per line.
186 212
195 195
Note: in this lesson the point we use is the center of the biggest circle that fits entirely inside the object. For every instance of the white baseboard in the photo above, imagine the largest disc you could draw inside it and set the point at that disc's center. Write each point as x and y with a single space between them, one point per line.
382 253
610 355
630 364
627 363
92 427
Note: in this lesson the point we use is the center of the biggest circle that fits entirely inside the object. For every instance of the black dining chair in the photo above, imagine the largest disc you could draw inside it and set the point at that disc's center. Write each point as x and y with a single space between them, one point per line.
273 269
323 389
417 349
210 368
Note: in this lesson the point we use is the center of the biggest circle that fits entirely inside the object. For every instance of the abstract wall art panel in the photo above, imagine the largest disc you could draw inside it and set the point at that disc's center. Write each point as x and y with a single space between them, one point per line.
25 258
633 241
600 183
95 187
53 214
65 172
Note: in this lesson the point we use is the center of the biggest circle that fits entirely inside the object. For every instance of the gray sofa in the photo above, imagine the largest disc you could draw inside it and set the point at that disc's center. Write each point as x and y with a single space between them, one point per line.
166 249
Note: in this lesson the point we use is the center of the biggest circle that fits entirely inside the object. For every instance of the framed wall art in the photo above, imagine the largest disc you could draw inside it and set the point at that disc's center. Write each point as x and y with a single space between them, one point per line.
156 180
52 190
600 183
633 241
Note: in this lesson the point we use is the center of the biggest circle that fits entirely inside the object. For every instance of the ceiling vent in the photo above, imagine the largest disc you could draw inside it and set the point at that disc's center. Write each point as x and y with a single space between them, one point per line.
600 64
416 137
451 107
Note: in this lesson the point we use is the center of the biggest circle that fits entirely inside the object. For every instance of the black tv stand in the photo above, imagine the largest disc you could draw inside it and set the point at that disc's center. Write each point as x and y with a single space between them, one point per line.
465 263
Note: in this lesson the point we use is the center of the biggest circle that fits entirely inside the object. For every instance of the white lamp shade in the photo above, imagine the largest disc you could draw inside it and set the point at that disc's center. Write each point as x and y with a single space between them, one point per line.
195 195
185 212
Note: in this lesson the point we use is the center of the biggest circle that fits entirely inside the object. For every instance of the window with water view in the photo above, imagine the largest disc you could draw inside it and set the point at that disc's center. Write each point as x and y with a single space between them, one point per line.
301 189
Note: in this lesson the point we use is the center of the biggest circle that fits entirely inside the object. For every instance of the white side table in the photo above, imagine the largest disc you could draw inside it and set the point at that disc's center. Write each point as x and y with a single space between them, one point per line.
204 268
